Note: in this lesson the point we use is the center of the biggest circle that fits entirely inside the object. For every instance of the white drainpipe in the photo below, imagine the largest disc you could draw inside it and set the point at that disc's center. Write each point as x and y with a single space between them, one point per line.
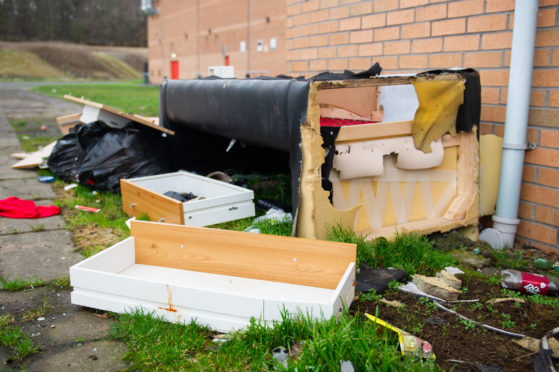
506 219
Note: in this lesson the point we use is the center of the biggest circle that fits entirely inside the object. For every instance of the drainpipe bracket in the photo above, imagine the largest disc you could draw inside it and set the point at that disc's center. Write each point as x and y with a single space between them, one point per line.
516 146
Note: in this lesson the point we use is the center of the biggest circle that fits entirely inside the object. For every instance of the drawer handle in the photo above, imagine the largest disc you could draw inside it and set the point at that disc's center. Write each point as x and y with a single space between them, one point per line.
161 219
233 208
132 205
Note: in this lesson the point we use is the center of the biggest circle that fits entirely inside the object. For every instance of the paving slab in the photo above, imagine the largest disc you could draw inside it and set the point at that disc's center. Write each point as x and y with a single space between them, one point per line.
19 225
90 356
79 325
6 171
46 254
23 104
27 188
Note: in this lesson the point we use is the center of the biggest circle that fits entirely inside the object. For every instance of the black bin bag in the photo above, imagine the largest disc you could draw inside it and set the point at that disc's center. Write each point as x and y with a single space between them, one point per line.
99 156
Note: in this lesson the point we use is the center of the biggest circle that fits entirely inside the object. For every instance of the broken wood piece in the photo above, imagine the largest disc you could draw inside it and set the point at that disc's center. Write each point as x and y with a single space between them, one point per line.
436 287
96 111
450 279
394 303
533 344
35 158
67 122
506 299
19 155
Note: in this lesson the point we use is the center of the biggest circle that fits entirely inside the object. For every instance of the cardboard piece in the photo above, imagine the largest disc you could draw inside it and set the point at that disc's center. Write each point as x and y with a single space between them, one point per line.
34 159
490 150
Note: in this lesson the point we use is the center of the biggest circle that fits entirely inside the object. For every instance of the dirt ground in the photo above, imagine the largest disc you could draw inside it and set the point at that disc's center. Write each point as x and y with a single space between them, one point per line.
459 345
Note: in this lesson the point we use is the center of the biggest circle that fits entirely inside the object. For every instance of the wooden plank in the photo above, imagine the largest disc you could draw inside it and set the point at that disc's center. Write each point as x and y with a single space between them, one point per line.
257 256
134 118
365 132
66 122
361 101
35 158
137 200
340 113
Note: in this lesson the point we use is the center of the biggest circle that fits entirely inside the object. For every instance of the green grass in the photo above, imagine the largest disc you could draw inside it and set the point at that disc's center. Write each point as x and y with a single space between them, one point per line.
129 97
19 344
19 284
110 216
509 260
410 252
158 345
62 282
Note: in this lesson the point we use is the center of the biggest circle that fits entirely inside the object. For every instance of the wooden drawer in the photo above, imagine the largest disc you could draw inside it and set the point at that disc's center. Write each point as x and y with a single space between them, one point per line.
220 278
220 202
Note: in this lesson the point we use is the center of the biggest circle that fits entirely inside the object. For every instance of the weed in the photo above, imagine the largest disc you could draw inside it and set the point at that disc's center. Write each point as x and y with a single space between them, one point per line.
91 251
509 293
507 322
62 282
13 230
19 284
543 300
412 252
464 290
6 320
509 260
157 345
492 309
18 342
393 286
476 306
468 324
80 340
494 279
370 296
533 326
38 227
38 312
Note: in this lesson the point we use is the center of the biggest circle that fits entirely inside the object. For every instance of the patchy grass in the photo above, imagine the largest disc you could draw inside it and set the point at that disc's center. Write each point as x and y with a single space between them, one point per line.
19 344
412 252
92 232
30 134
128 97
19 284
37 312
62 282
158 345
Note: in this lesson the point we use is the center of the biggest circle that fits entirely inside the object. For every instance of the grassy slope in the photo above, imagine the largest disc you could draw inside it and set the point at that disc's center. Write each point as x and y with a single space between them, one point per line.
26 65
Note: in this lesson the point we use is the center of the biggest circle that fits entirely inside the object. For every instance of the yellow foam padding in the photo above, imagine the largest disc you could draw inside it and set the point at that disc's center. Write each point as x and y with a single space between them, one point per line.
439 101
491 148
316 215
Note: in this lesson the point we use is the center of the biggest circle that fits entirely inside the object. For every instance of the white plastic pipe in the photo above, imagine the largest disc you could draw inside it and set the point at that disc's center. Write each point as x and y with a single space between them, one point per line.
506 219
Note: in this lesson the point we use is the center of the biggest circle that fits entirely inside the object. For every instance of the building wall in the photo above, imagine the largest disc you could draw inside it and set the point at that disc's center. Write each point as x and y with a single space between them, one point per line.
415 35
198 31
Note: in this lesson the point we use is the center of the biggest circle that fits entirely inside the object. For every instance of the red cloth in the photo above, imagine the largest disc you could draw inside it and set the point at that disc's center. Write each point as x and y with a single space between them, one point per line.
18 208
335 122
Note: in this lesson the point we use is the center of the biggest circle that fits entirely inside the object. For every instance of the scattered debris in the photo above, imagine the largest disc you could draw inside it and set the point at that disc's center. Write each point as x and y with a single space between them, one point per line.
436 320
506 299
281 355
469 258
411 288
450 279
70 186
87 209
377 279
528 282
435 287
533 344
34 159
394 303
409 344
543 360
542 264
346 366
14 207
45 179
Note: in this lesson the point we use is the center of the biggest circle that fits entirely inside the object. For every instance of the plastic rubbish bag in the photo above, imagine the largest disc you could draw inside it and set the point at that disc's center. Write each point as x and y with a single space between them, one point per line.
99 156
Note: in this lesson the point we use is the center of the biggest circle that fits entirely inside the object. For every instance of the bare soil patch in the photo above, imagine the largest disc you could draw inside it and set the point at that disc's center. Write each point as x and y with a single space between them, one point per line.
454 339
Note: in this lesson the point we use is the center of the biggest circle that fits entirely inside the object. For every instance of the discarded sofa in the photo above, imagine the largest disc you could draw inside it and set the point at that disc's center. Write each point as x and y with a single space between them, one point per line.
378 155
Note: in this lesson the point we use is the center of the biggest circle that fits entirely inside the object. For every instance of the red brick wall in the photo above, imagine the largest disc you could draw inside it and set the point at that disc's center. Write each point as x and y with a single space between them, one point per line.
222 23
415 35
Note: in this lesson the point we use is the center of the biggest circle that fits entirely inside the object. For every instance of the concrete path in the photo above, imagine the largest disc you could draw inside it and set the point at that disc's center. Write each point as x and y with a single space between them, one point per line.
71 338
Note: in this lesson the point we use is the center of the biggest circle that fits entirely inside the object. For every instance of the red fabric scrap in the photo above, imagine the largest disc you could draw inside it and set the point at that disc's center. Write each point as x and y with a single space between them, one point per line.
335 122
14 207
